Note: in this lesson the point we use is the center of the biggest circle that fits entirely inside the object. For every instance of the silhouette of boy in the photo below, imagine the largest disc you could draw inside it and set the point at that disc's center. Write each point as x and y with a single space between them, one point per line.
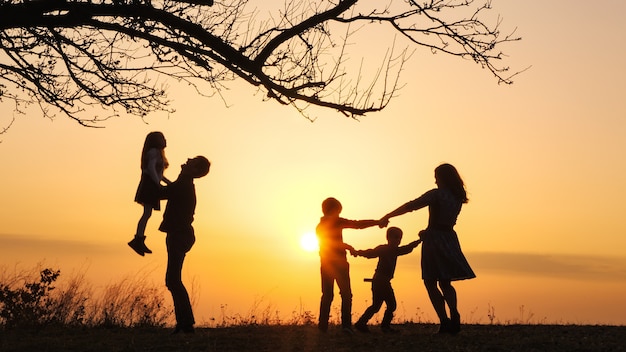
382 291
177 219
334 263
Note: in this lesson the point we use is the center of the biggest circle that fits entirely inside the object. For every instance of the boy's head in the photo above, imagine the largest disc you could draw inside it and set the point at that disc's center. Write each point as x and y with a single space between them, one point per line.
331 206
394 236
196 167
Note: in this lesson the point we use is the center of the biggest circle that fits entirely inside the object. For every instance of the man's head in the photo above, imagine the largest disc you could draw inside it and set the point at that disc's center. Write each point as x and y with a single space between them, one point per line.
196 167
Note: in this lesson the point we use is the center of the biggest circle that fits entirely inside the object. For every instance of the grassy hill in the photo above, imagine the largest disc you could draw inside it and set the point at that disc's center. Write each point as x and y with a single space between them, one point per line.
296 338
36 315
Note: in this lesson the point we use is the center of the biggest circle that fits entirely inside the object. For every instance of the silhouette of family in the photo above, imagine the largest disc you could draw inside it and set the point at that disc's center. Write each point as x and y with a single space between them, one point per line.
442 259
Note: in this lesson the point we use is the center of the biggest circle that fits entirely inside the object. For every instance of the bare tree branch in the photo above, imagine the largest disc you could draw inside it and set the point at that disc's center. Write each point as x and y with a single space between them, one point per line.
73 56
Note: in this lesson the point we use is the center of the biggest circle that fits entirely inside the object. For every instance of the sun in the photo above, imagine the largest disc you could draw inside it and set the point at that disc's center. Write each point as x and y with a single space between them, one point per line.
308 242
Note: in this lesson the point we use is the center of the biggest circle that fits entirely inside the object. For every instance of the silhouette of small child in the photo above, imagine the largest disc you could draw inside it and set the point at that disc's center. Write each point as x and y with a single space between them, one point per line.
334 263
153 163
382 291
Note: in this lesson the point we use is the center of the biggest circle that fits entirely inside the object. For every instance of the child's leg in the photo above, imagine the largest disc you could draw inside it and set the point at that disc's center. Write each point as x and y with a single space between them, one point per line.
137 243
343 281
390 301
143 221
377 302
328 282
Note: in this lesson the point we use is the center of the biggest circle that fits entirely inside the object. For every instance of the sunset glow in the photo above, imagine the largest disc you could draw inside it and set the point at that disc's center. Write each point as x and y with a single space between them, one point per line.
308 242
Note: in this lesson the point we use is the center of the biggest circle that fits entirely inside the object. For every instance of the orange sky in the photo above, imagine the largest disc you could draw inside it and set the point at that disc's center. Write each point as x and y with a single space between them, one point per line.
542 159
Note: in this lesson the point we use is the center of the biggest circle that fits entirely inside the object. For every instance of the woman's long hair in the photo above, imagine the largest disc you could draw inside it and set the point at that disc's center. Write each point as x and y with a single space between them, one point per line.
154 140
448 177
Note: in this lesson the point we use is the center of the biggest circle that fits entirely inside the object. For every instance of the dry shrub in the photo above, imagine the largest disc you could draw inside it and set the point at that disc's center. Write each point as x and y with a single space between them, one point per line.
32 298
132 302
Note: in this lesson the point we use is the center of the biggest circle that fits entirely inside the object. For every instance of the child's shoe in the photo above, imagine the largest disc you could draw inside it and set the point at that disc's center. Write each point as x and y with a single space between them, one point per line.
143 246
137 245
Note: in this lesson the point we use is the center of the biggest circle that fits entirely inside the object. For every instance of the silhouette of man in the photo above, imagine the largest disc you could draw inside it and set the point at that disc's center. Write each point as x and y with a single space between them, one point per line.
177 219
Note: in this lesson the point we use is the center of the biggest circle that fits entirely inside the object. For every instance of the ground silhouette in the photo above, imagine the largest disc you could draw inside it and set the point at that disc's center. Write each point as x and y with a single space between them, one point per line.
411 337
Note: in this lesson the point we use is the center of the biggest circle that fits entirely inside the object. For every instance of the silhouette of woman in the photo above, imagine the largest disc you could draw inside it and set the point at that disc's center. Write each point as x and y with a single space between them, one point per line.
442 258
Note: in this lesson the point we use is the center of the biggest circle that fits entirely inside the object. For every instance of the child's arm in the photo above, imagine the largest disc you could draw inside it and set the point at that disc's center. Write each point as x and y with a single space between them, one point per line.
369 253
414 244
406 249
151 166
350 248
360 224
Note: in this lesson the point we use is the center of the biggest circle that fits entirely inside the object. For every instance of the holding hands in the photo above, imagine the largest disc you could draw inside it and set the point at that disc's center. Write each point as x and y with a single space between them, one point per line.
350 248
